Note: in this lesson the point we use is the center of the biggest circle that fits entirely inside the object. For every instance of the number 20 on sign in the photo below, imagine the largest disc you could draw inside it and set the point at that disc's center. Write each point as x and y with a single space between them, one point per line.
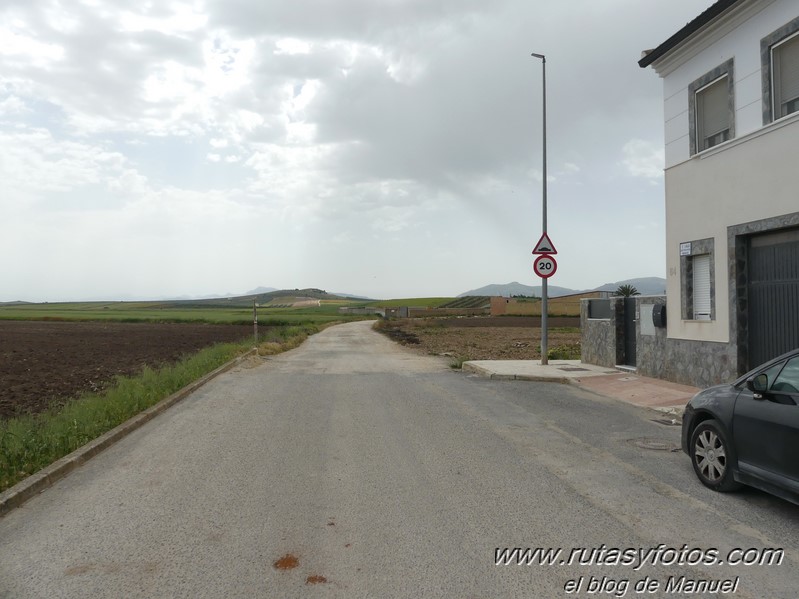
545 266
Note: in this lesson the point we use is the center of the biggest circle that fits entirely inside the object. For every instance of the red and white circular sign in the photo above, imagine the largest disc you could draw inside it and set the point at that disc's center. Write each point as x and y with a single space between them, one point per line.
545 266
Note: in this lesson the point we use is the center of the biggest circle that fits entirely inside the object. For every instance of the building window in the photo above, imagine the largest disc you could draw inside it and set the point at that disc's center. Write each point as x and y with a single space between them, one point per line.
779 57
711 108
697 280
785 76
712 116
701 286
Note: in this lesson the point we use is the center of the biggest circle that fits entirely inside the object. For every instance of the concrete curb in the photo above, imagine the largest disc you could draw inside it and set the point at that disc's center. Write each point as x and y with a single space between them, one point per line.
485 373
41 480
675 410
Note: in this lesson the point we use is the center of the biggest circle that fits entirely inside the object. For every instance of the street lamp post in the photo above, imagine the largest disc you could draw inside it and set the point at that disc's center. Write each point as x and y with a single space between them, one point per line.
544 307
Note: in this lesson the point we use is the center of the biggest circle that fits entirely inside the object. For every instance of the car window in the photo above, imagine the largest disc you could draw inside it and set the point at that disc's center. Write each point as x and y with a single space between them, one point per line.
788 379
772 373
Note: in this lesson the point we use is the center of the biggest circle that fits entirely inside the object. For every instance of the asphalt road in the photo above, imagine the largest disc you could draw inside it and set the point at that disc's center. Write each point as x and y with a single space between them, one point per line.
381 473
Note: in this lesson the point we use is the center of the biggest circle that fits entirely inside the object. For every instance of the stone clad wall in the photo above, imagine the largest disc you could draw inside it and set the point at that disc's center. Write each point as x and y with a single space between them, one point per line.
697 363
599 336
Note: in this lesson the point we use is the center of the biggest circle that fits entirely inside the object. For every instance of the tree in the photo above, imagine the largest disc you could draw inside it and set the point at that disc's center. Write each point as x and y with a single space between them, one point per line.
626 291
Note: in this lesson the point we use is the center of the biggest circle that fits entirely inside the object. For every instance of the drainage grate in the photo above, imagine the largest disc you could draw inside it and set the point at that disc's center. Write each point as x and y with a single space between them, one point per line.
572 369
654 444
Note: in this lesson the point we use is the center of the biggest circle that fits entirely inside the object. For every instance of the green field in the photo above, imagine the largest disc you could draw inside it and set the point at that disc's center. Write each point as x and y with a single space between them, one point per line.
175 312
273 308
413 302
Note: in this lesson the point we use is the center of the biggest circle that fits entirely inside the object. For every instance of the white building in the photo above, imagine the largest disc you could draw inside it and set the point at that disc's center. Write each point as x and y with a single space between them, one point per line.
731 112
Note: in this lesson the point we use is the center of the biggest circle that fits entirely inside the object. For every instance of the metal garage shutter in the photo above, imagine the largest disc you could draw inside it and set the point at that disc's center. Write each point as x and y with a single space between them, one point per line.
773 295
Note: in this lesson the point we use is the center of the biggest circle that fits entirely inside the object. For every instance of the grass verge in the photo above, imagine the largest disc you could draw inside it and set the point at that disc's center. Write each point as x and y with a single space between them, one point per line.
456 362
569 351
32 442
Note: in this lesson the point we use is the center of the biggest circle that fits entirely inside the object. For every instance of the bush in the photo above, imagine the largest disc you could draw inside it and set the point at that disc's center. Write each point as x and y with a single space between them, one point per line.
456 363
570 351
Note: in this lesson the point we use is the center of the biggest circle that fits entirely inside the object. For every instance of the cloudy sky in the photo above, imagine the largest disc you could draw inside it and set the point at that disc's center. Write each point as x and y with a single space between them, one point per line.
388 148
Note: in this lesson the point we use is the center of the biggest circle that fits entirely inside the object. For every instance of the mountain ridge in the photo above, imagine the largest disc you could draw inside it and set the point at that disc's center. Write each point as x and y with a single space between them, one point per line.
644 285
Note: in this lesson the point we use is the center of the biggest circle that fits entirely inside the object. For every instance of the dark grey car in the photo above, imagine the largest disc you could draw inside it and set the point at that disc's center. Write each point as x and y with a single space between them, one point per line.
747 432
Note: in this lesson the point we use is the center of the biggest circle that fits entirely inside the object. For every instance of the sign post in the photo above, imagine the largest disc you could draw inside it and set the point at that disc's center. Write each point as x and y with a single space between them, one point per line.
544 307
544 266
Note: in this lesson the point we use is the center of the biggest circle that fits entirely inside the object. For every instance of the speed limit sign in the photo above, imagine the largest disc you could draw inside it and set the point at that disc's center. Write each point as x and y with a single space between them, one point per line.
545 266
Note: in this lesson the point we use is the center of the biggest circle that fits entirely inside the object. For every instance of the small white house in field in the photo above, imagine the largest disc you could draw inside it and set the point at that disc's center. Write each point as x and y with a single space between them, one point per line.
731 118
731 122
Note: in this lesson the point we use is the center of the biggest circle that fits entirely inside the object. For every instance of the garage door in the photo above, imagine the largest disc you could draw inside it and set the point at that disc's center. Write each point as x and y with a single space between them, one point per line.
773 295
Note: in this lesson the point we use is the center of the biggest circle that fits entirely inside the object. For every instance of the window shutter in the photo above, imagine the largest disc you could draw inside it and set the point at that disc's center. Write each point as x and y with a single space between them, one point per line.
713 113
701 267
786 74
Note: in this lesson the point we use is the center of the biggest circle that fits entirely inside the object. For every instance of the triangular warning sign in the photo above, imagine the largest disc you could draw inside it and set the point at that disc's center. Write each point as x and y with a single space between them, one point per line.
545 246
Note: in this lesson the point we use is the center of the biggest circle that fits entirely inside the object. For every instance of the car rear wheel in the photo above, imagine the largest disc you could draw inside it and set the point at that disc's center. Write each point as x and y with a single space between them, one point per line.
712 457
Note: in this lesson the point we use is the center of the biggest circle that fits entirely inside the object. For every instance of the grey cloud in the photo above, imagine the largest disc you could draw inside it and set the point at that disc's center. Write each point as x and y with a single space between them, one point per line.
464 113
431 139
322 63
103 67
342 19
476 106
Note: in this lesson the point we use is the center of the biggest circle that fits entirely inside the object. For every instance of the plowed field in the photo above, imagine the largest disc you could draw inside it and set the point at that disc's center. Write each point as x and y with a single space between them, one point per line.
500 338
42 362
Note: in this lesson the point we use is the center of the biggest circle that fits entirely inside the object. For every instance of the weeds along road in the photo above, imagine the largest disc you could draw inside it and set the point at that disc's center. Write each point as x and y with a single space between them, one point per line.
362 470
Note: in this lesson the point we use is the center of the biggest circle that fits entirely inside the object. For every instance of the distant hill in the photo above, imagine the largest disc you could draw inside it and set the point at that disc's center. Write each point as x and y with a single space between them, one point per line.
353 297
261 295
644 285
284 295
516 288
259 290
286 292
